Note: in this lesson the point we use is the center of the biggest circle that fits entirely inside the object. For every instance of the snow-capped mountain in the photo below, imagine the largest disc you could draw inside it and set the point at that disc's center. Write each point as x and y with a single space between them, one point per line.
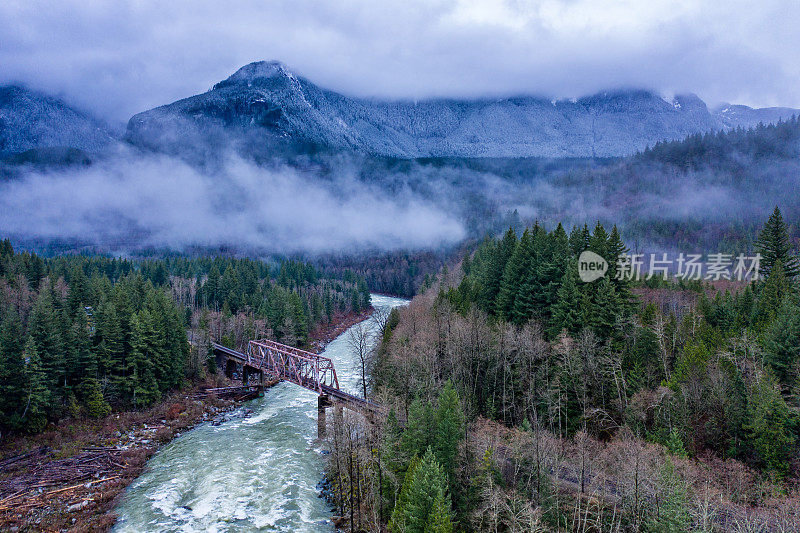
732 116
32 120
271 105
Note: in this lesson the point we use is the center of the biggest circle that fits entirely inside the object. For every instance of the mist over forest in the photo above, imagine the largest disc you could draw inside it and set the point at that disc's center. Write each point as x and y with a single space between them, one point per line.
708 191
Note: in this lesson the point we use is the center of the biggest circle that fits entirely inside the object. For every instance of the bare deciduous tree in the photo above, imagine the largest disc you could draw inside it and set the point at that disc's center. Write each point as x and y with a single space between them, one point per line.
359 340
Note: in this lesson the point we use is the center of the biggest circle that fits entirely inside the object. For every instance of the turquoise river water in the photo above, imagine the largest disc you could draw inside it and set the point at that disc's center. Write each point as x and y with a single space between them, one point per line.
258 473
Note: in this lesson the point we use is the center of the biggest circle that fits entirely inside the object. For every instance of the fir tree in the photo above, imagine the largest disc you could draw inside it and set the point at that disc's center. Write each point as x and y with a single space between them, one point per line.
674 512
426 485
513 277
598 242
12 369
420 429
774 246
440 519
37 398
399 518
493 274
604 309
449 429
768 425
567 309
774 291
50 345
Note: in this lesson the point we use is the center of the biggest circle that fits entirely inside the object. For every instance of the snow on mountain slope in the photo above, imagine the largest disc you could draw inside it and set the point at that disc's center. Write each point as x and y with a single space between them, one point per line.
267 102
30 120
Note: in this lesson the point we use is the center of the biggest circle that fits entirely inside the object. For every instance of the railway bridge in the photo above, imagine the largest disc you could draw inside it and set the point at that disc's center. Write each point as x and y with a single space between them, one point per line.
270 360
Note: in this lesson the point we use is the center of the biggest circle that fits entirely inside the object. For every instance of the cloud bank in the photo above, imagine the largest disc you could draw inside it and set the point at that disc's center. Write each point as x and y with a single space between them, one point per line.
130 202
117 59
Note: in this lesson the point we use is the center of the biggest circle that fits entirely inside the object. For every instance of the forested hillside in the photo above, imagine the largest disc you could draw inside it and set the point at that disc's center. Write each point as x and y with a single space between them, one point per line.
526 399
80 335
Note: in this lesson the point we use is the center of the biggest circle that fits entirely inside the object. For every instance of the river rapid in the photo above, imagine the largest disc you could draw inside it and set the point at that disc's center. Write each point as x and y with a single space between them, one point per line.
254 473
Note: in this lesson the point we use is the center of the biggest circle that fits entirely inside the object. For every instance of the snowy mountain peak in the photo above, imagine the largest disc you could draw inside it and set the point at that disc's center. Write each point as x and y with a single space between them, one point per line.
258 70
277 110
30 119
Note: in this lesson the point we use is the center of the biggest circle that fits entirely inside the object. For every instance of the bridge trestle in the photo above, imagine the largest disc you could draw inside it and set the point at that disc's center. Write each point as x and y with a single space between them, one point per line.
309 370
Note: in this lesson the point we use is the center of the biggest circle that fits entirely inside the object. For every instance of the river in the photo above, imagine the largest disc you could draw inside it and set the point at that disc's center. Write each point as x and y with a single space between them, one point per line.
258 473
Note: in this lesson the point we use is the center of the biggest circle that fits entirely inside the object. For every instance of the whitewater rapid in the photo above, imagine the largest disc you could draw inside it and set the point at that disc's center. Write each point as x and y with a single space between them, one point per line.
255 473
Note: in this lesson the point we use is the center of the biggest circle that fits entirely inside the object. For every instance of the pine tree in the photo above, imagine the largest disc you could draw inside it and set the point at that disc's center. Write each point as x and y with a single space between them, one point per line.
598 242
774 291
449 429
615 249
12 370
493 274
211 288
92 394
421 491
50 345
37 398
567 308
768 425
674 512
576 242
111 347
78 294
141 385
782 345
440 519
513 277
604 309
398 520
420 429
774 246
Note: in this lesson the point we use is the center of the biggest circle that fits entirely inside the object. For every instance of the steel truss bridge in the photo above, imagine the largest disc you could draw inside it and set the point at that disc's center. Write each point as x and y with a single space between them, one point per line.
274 361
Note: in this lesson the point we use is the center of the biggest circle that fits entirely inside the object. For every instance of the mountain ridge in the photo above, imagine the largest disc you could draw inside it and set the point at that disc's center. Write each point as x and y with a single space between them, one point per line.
264 108
30 119
268 101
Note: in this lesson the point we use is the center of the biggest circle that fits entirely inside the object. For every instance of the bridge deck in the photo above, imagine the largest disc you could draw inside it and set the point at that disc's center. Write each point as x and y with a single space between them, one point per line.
327 385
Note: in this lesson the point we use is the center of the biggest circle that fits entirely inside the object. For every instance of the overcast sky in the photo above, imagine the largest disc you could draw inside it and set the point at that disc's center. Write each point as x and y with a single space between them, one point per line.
119 58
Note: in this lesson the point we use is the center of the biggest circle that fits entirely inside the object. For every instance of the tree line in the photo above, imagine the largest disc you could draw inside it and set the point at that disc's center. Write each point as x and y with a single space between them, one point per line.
80 335
616 380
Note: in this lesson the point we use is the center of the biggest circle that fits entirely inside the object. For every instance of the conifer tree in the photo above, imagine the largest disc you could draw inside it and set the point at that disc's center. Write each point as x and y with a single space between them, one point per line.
567 308
493 274
12 369
774 291
420 429
78 294
598 242
604 309
138 385
44 330
576 242
674 513
37 398
782 345
399 518
768 425
440 519
421 491
774 246
513 277
449 429
113 360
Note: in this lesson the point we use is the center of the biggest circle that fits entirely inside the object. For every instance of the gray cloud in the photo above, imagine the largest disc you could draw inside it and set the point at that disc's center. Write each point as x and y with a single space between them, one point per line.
120 58
160 201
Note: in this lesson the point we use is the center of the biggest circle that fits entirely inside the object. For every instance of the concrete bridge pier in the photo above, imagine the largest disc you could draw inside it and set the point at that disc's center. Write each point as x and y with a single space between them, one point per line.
323 402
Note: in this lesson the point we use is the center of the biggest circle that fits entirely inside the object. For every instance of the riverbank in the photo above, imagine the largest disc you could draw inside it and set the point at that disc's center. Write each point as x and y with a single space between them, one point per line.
325 333
70 477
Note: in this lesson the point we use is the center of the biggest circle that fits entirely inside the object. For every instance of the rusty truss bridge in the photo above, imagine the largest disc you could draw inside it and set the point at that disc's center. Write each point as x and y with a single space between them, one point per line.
272 361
